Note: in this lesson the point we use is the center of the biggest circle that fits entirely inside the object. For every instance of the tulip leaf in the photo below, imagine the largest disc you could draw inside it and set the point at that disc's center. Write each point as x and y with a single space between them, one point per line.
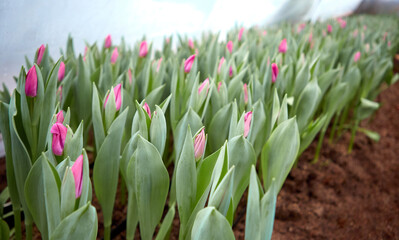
98 126
81 224
210 224
252 220
158 130
257 133
132 210
152 186
165 228
221 196
268 209
4 230
366 108
74 142
191 119
42 196
67 193
219 128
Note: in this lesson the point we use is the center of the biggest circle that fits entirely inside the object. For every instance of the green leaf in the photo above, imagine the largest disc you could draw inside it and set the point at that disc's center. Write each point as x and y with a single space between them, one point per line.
252 220
98 126
67 193
158 130
165 228
268 209
371 134
74 142
279 153
221 197
152 186
366 109
191 119
106 167
186 180
81 224
257 133
42 196
210 224
4 230
219 128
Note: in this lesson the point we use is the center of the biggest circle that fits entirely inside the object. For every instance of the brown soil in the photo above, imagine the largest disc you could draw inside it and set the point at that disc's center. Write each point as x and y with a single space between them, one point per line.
343 196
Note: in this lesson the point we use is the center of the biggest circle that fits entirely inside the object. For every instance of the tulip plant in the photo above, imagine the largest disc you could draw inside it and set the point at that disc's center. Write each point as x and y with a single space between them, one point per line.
186 130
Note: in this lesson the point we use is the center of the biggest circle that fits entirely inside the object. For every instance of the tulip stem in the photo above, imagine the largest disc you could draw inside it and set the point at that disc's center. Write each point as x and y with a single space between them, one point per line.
319 144
28 230
353 135
107 232
17 223
334 128
123 192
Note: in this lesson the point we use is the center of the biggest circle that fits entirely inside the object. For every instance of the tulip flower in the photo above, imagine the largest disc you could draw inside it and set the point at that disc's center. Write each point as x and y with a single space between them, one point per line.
77 171
245 93
147 109
274 72
61 72
231 72
129 72
357 56
40 53
329 28
240 34
247 123
59 132
159 64
199 145
205 84
189 63
220 64
301 27
114 55
264 33
118 97
230 46
283 46
219 85
143 49
343 24
389 43
60 117
191 43
108 41
31 82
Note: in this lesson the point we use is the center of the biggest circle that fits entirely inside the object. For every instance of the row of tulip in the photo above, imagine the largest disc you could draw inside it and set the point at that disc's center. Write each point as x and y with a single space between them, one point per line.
209 108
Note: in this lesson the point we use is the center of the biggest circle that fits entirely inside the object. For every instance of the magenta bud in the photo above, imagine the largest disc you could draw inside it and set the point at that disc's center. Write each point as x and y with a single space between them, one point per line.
114 55
31 82
129 72
59 132
40 53
59 92
147 109
77 171
245 87
108 41
159 64
220 64
118 97
219 85
191 43
283 46
247 123
357 56
274 72
189 63
264 33
60 117
143 49
230 46
329 28
61 72
204 84
240 34
85 53
199 144
231 72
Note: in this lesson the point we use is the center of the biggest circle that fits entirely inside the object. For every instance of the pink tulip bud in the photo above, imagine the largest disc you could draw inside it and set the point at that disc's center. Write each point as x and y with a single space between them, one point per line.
219 85
301 27
247 123
129 73
85 53
231 72
108 41
240 34
364 27
204 84
264 33
220 64
40 53
60 117
283 46
59 132
191 43
61 72
147 109
189 63
230 46
118 97
31 82
274 72
389 43
310 37
77 171
167 40
329 28
114 55
343 24
199 145
357 56
159 64
143 49
245 93
59 92
354 34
